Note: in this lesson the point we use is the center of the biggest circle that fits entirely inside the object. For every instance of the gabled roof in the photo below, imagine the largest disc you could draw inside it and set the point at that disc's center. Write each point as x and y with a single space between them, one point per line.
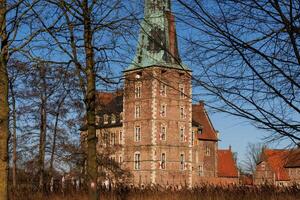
277 159
281 159
201 118
226 164
109 102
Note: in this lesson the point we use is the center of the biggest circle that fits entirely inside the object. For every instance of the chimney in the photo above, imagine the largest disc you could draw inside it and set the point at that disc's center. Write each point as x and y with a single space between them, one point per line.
229 147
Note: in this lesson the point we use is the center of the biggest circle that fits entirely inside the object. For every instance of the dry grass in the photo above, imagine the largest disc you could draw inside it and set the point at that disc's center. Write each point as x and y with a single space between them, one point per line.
200 193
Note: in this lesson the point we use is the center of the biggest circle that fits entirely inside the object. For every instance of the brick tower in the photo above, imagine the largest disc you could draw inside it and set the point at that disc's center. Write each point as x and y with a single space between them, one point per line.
157 108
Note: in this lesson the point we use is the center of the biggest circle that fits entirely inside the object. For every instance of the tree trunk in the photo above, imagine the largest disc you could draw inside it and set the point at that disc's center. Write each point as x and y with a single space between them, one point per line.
4 107
90 105
43 127
53 144
14 138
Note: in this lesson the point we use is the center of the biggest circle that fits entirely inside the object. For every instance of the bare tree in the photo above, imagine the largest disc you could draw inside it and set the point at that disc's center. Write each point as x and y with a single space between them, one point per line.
86 34
12 16
253 156
247 53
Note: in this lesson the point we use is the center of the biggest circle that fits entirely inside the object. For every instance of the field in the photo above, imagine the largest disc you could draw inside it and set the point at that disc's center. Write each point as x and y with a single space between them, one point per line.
200 193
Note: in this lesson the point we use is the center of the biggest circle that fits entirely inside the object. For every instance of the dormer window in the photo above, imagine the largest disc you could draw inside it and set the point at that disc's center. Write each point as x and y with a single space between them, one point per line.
105 119
113 119
200 130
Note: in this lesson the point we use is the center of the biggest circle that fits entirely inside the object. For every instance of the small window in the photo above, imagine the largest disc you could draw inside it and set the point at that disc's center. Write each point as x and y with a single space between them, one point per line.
121 117
181 90
181 134
137 161
200 170
163 110
120 159
137 133
163 134
112 138
193 136
113 119
97 119
163 89
182 113
163 161
263 166
120 137
207 151
138 87
105 119
182 162
137 111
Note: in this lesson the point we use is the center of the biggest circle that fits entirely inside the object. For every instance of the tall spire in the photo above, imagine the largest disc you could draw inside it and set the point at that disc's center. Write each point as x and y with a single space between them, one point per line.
157 45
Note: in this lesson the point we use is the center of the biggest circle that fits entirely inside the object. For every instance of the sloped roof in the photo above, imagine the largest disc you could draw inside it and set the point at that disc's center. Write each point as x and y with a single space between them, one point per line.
226 164
201 118
109 102
276 159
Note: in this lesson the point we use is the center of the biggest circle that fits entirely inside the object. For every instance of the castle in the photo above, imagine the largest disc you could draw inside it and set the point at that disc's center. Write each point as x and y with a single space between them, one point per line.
157 133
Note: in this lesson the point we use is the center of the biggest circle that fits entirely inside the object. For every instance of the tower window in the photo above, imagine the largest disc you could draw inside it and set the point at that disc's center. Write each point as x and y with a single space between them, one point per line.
182 113
182 162
207 151
163 161
181 91
163 89
112 138
163 110
181 134
138 87
193 136
137 111
163 134
200 170
137 133
137 161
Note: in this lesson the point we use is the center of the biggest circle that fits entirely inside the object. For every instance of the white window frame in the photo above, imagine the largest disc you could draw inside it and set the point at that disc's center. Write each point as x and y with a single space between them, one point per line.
163 89
163 160
201 170
181 134
182 161
120 137
163 132
137 90
137 133
181 91
137 161
137 111
163 110
207 150
182 112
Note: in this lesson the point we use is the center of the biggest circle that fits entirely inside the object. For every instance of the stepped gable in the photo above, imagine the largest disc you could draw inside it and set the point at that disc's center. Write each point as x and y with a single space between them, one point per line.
226 164
200 118
277 159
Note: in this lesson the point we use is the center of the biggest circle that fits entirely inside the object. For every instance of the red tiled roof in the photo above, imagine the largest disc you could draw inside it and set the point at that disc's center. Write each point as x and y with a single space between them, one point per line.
277 158
226 164
200 117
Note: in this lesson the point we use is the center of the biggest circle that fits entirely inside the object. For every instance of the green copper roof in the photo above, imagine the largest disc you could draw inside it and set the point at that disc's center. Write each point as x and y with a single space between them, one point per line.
157 45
